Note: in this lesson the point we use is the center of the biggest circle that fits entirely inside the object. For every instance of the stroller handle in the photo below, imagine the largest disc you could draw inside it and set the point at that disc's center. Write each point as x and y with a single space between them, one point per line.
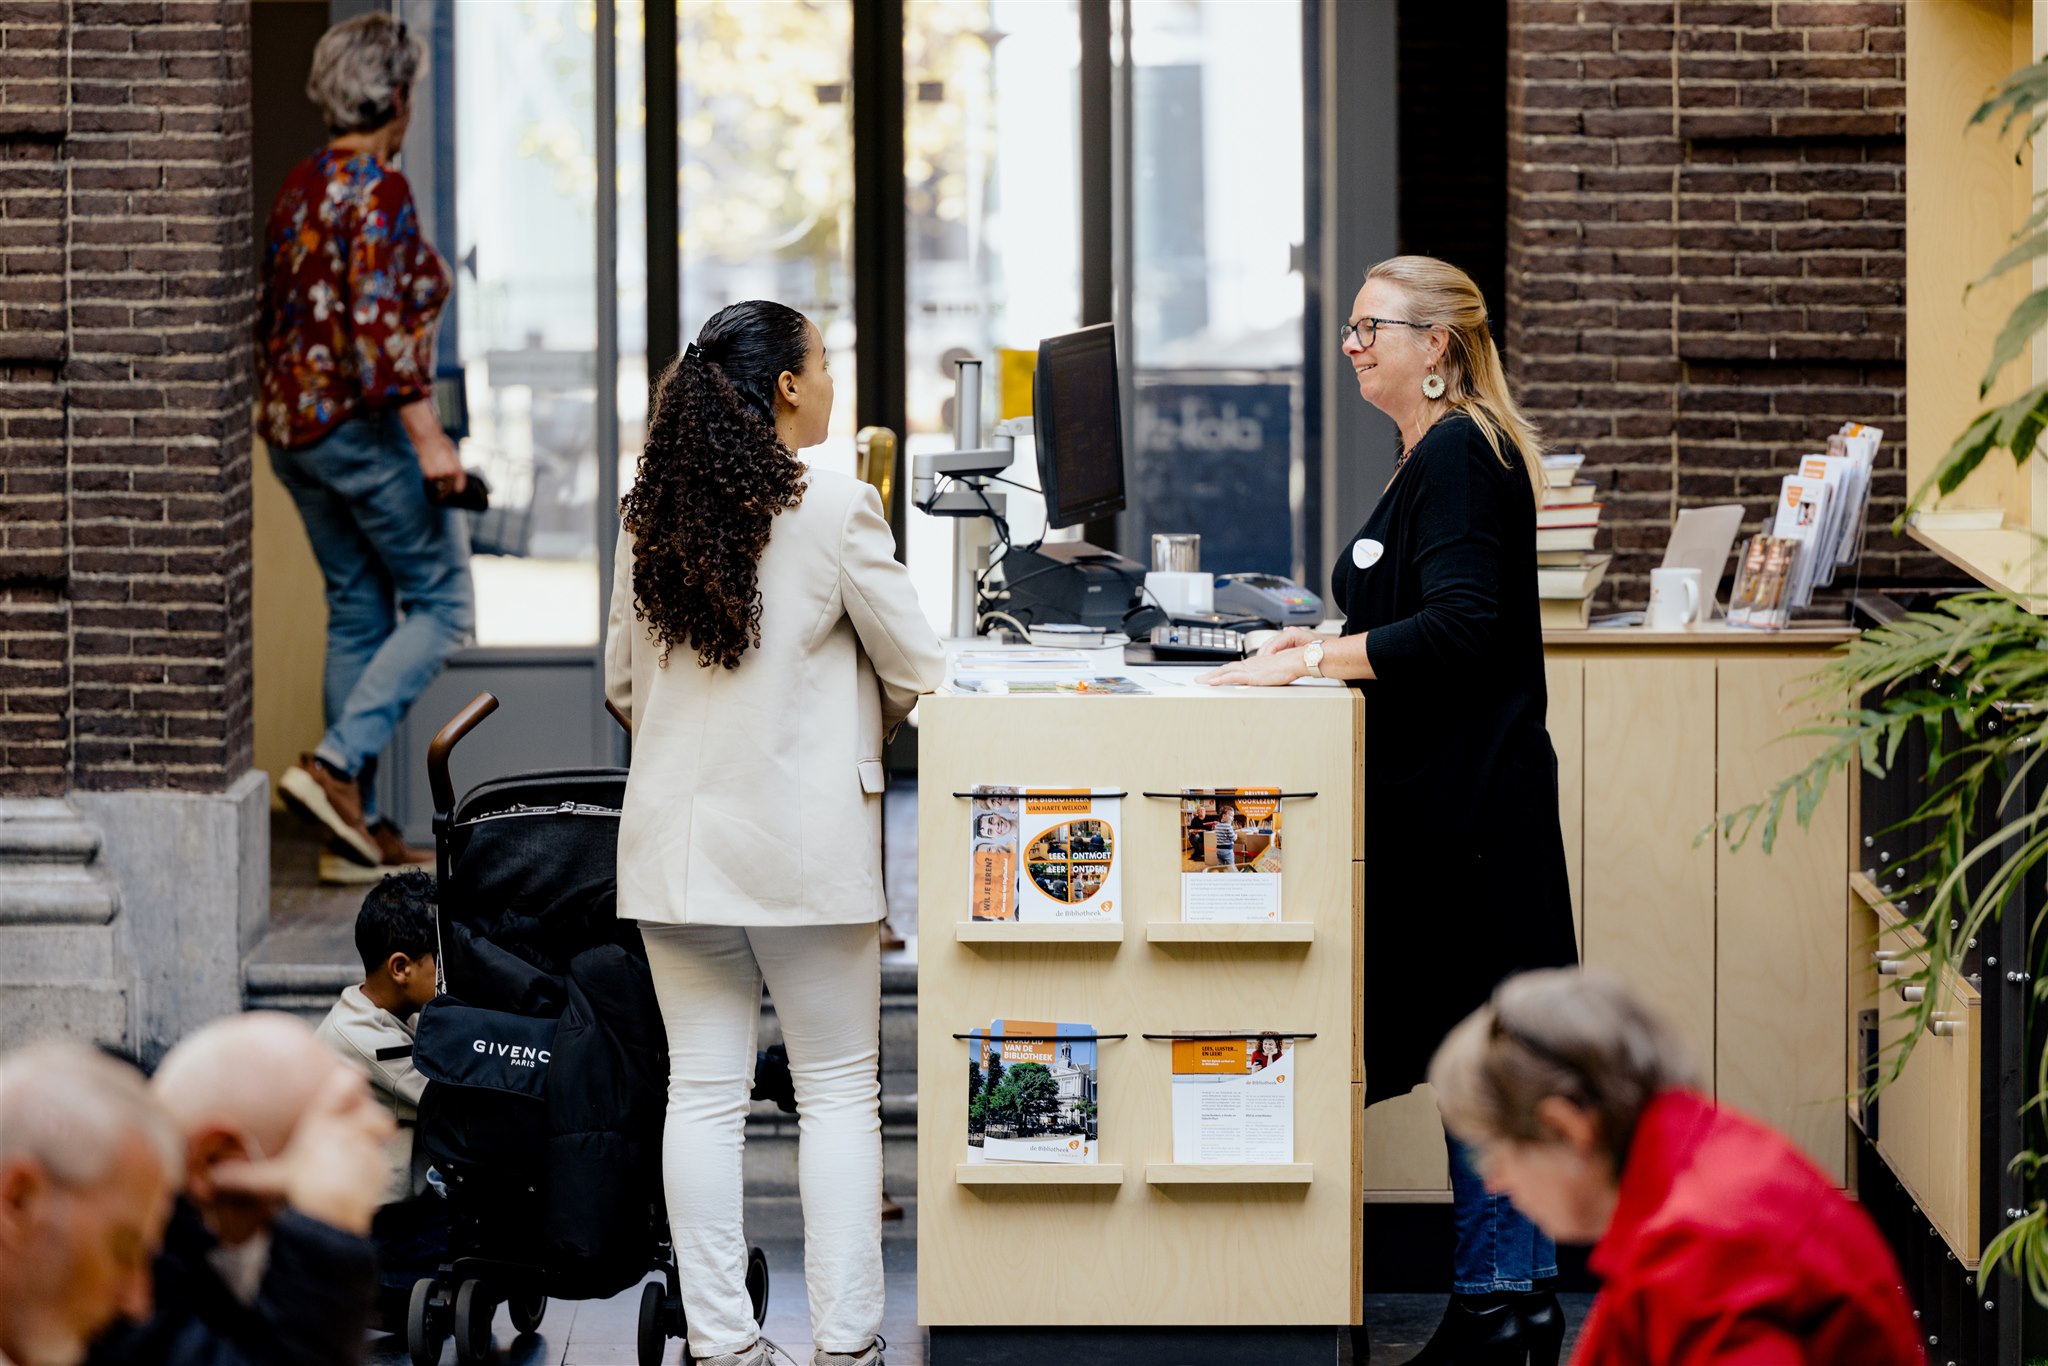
444 742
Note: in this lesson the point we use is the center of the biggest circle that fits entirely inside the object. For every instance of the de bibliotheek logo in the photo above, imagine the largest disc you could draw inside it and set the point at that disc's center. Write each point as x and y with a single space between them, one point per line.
519 1055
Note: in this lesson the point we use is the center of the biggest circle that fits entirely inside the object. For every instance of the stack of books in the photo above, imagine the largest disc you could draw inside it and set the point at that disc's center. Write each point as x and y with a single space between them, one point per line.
1567 570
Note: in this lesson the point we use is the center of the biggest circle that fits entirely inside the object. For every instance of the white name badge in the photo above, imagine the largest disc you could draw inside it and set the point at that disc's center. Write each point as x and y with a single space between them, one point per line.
1365 552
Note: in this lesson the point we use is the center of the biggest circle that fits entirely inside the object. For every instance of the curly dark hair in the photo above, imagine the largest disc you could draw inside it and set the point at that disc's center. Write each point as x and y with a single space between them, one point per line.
712 477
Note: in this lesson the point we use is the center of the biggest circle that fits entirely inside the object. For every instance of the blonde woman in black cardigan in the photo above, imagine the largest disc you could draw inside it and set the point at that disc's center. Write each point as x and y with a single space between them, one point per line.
1465 867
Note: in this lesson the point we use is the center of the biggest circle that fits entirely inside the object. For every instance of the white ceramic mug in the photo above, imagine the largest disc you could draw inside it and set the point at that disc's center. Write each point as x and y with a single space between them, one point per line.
1675 599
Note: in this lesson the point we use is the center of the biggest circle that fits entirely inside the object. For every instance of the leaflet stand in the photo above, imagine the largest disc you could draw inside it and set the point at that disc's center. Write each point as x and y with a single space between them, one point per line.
1109 1265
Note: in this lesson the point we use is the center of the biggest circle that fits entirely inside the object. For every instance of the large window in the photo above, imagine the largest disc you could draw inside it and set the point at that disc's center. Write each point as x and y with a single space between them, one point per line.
766 173
993 231
1215 290
526 283
1208 225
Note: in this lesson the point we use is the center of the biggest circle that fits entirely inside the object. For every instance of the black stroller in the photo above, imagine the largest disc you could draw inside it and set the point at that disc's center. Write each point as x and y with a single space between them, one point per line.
546 1062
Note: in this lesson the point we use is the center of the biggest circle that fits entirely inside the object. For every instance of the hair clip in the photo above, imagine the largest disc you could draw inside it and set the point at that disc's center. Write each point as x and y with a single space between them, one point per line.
692 352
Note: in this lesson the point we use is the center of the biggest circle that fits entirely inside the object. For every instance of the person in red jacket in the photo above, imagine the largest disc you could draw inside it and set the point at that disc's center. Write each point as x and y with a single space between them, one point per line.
1716 1240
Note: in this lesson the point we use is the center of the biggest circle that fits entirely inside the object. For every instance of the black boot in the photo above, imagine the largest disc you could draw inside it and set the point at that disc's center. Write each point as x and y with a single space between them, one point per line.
1477 1330
1542 1326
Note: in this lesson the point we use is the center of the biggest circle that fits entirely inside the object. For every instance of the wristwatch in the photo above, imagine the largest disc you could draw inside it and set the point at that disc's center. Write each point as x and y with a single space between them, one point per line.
1312 655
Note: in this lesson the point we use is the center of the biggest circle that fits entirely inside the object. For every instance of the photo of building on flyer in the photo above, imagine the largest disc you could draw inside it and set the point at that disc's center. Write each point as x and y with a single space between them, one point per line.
1031 1093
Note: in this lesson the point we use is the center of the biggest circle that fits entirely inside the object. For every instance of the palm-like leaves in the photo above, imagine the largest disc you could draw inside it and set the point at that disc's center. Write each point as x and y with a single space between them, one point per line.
1971 676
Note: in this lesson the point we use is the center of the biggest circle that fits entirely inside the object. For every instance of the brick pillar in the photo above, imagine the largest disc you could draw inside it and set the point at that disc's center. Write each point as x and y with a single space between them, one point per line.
125 390
1706 251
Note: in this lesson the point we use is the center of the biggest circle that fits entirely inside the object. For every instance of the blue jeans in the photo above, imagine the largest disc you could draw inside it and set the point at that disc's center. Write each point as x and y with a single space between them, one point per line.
383 549
1498 1248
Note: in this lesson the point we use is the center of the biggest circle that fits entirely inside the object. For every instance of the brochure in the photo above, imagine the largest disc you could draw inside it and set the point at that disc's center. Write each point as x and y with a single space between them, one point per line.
1802 513
1233 1100
1041 687
1760 593
1230 854
1044 854
1031 1099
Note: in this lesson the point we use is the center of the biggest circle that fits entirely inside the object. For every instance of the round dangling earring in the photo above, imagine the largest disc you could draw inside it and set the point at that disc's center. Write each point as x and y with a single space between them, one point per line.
1432 385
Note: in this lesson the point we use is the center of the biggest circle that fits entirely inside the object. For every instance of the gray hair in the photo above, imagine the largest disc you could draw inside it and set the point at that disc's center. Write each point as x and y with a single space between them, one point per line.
68 1107
1581 1036
358 68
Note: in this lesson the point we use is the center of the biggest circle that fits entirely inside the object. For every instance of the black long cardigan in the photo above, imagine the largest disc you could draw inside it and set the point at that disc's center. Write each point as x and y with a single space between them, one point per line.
1465 879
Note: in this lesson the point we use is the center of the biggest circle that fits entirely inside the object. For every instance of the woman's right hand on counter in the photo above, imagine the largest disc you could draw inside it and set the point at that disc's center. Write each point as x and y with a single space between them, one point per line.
1288 639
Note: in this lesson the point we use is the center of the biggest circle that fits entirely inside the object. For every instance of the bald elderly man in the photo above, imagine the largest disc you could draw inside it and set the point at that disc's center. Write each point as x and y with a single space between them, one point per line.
266 1258
87 1165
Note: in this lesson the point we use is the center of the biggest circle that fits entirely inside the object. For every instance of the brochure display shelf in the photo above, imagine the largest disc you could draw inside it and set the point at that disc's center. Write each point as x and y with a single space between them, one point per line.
1229 1173
1039 1174
1230 932
1167 1251
1039 932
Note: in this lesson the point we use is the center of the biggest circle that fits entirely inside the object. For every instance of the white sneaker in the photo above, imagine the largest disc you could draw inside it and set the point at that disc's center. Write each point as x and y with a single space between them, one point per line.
757 1355
871 1355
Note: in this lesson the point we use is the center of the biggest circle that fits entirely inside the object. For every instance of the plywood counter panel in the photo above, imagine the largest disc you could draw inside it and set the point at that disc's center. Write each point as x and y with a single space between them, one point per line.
1150 1251
1649 788
1781 935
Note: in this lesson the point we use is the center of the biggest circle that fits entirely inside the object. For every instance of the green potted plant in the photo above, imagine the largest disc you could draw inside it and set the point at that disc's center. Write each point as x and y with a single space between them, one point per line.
1970 675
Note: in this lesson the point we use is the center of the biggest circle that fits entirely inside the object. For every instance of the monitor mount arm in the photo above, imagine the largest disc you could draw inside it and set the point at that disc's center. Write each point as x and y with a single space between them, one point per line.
967 498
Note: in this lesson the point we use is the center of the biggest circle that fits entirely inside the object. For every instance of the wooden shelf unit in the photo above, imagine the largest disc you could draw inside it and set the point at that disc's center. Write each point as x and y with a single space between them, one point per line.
1039 931
1039 1174
1229 1173
1230 932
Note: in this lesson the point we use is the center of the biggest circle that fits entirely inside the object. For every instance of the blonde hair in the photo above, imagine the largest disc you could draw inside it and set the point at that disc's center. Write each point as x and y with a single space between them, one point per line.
358 67
1475 383
1565 1032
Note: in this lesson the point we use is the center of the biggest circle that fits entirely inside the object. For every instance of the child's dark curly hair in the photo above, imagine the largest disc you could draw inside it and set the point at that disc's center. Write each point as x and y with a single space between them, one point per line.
712 477
397 917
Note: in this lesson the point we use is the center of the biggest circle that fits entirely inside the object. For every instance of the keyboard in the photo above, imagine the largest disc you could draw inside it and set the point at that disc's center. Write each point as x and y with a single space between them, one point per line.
1197 643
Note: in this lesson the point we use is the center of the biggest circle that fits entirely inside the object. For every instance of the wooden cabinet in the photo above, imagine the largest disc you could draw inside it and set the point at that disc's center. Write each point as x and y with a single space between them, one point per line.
1743 951
1929 1120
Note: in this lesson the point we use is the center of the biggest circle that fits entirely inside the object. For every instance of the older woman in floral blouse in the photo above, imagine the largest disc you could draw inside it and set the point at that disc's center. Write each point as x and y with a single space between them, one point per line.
345 341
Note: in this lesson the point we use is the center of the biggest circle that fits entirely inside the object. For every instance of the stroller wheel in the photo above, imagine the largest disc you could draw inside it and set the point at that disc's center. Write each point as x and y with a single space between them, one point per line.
528 1310
653 1331
473 1309
423 1331
757 1283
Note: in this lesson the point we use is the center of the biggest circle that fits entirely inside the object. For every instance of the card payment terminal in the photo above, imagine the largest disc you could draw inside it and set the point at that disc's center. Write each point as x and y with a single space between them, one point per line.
1268 597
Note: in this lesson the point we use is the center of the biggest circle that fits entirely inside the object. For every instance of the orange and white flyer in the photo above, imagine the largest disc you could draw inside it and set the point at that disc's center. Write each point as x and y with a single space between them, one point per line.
1031 1093
1233 1099
1230 854
1044 854
996 812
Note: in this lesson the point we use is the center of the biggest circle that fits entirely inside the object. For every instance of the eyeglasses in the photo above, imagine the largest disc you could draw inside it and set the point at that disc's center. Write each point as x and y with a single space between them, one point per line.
1367 330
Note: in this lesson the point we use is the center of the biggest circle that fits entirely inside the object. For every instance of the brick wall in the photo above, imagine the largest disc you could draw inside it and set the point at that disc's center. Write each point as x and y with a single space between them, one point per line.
1706 251
125 393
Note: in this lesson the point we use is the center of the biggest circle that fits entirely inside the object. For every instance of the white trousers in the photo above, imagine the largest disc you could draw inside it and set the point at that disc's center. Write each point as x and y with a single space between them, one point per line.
826 981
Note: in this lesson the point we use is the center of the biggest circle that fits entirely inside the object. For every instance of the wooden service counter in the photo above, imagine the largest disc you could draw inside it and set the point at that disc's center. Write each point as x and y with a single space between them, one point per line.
1655 733
1137 1240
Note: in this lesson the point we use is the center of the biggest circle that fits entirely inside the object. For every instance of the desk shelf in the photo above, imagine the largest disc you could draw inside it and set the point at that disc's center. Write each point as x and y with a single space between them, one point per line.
1039 932
1229 1173
1039 1174
1230 932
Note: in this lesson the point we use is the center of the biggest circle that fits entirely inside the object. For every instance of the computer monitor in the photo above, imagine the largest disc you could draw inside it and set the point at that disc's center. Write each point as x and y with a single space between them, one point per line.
1078 425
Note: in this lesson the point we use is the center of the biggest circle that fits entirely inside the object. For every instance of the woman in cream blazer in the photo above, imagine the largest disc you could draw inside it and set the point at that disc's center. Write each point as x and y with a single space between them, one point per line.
763 644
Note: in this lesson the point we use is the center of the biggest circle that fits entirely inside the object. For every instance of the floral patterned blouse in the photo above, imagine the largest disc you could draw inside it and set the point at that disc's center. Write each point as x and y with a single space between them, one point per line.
351 294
